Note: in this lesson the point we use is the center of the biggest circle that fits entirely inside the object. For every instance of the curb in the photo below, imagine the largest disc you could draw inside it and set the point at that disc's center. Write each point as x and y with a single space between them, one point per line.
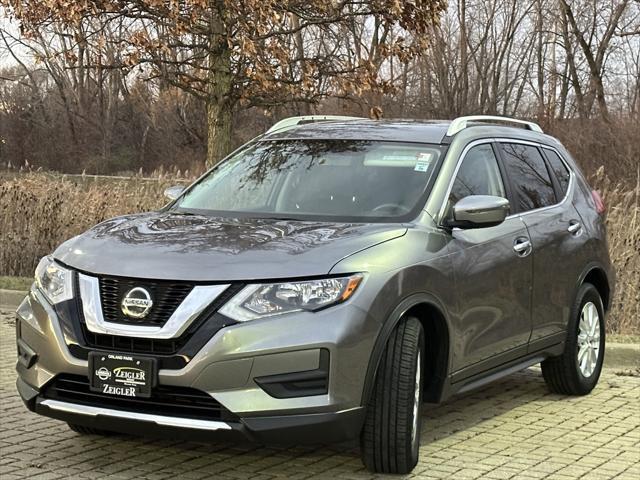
10 299
617 355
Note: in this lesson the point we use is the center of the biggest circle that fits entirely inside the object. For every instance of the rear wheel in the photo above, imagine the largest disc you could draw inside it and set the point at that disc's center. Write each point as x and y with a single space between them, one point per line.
391 435
577 370
82 430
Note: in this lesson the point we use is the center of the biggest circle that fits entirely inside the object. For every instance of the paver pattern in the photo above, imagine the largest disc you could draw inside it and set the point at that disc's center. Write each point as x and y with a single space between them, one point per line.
513 428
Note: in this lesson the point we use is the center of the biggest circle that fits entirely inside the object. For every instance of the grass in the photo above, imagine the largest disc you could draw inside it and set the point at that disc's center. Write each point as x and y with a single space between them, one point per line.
623 230
15 283
623 339
39 212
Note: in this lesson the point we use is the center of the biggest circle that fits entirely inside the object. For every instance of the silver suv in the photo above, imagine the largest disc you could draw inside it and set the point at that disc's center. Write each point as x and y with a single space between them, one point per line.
321 283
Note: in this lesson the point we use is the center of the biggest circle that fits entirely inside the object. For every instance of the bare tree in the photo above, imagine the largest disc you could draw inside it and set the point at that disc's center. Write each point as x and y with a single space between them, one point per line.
228 52
594 41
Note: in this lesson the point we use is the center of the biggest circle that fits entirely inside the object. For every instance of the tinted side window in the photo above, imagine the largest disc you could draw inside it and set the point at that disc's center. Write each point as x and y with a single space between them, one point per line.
529 176
478 175
559 169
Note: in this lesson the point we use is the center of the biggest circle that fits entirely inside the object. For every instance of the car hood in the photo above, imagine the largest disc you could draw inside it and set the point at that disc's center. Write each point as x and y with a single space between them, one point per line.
173 246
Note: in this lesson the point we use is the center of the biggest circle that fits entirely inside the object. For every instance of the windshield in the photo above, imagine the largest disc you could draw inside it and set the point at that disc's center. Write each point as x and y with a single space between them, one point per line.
347 180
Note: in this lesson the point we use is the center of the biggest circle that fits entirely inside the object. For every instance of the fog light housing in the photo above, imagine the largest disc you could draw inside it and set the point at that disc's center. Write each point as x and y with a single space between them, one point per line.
26 355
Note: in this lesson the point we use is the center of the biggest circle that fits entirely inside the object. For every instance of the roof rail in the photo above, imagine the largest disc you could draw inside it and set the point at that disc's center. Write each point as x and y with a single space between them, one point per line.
291 122
461 123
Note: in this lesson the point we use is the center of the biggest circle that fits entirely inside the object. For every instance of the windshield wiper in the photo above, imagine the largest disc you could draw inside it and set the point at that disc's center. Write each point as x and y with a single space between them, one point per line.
181 212
286 219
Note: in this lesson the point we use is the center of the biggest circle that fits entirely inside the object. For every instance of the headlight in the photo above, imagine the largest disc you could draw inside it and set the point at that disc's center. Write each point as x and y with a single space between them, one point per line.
265 300
54 281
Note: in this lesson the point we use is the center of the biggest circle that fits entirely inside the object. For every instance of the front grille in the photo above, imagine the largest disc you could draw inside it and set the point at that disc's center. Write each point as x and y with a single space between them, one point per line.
166 296
173 346
131 344
165 400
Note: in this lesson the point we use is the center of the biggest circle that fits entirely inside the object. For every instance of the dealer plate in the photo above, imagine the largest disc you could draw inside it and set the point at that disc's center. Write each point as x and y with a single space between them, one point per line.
121 375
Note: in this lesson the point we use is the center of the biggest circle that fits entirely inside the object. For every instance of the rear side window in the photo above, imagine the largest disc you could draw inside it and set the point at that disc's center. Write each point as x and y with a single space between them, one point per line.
559 169
529 176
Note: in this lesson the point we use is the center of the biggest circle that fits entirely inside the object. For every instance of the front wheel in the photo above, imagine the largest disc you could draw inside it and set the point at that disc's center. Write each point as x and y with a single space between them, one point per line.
391 434
577 370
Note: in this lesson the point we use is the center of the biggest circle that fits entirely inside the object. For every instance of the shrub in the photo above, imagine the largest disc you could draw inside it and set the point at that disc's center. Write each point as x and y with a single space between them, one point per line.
39 211
623 229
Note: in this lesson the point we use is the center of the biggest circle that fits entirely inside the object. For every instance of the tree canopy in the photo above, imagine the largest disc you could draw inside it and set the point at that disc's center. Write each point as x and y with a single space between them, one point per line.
248 52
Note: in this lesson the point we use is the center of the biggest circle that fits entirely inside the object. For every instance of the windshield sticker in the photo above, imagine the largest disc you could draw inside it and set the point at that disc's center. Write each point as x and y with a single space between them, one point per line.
423 162
397 158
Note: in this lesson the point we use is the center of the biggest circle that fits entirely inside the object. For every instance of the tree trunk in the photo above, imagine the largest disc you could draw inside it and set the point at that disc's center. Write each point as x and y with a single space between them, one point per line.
462 106
596 62
600 97
220 84
219 122
570 62
564 91
540 63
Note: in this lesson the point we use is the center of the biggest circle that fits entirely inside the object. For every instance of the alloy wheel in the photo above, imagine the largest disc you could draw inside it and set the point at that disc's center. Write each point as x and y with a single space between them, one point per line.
588 339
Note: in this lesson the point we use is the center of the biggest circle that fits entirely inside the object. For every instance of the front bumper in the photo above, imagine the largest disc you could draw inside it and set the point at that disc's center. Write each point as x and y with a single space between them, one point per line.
226 368
282 429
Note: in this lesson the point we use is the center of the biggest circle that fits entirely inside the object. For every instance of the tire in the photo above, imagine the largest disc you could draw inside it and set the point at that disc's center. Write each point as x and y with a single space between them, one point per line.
390 438
82 430
567 374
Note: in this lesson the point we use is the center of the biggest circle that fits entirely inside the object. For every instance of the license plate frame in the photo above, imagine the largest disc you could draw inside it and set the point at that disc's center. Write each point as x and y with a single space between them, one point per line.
122 375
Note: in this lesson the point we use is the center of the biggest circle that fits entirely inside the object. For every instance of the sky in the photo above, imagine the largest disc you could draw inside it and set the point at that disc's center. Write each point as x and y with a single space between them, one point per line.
10 27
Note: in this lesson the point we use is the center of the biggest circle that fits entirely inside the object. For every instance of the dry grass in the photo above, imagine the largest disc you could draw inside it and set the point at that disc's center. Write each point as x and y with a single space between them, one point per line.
623 228
38 212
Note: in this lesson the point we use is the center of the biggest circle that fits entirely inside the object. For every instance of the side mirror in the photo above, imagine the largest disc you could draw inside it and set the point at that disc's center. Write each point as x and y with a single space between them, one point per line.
479 211
174 192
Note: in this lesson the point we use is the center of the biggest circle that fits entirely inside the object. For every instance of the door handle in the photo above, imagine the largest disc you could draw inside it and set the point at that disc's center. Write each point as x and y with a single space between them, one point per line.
574 227
522 246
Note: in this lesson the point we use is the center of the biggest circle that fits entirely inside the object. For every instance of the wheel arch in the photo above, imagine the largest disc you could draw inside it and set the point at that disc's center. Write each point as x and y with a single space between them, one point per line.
431 314
597 276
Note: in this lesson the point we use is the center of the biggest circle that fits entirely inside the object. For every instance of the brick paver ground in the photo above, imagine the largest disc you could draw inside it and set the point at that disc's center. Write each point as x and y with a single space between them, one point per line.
513 428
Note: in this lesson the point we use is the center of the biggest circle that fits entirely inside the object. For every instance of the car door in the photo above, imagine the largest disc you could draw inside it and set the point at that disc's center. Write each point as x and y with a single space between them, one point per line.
492 271
541 181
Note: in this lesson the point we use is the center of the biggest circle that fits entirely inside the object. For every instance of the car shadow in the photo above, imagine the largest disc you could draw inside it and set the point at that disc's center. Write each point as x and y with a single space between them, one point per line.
465 411
460 413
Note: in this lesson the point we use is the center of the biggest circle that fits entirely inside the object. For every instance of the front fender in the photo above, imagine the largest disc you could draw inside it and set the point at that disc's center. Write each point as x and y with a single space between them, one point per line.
408 303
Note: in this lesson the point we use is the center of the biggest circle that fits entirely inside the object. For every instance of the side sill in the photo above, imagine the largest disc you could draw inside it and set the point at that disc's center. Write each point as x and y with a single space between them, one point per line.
549 341
472 384
502 370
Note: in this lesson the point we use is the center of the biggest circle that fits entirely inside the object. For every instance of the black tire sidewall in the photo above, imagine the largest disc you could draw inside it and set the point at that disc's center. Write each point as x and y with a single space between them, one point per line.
387 445
415 447
587 293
